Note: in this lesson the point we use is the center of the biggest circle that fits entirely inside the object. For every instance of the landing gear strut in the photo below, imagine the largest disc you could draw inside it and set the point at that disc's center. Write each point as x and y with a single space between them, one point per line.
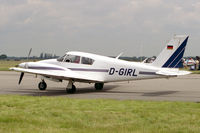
42 85
98 86
71 88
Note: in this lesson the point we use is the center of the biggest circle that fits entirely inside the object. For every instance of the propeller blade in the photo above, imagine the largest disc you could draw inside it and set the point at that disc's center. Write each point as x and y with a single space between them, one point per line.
21 77
29 53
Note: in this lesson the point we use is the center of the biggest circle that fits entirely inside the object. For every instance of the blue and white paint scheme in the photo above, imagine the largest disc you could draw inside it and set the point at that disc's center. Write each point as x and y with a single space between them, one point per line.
97 69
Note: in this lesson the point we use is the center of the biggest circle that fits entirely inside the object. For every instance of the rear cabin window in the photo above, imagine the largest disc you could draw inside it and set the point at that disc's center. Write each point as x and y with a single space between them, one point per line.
87 61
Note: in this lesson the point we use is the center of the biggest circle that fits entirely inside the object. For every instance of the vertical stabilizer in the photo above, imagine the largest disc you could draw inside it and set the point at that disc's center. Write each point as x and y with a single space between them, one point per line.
172 54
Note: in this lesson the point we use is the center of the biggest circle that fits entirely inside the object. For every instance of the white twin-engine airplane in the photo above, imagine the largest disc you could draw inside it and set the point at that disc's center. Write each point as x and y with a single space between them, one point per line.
97 69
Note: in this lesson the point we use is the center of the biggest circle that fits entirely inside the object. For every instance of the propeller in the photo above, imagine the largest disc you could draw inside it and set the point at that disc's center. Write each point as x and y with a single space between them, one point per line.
22 73
21 77
29 53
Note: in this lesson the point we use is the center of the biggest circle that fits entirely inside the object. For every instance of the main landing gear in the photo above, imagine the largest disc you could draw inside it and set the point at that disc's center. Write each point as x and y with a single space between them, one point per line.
98 86
42 85
71 88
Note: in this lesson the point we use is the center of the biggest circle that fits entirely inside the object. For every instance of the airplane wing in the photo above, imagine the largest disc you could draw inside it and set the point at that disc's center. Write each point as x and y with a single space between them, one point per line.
66 74
172 73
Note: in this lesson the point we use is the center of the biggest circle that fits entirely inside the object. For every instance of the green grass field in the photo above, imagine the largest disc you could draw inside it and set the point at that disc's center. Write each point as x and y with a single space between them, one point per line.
27 114
5 65
195 72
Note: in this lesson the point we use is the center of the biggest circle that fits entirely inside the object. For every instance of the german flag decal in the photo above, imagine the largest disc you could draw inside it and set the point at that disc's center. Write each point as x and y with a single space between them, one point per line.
170 47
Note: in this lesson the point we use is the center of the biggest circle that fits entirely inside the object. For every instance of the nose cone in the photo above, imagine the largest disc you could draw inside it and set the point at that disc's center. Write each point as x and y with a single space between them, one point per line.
22 65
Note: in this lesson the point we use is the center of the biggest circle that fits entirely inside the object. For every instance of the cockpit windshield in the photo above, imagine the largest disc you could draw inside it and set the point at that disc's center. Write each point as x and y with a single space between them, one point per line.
61 58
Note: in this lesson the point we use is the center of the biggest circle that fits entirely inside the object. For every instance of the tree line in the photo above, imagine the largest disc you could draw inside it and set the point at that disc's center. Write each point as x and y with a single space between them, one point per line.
51 56
42 56
3 56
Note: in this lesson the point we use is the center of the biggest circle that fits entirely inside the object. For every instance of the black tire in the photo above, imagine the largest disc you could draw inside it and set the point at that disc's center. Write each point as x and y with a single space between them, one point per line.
72 90
98 86
42 86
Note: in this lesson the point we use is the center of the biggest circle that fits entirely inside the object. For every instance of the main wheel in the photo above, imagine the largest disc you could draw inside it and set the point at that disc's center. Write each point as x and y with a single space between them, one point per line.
98 86
42 85
72 90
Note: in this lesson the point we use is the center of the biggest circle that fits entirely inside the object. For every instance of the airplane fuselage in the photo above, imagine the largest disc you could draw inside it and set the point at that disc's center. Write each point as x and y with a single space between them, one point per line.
107 69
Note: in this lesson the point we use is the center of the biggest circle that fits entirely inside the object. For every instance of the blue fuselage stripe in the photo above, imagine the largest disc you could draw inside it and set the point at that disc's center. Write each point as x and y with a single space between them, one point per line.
89 70
147 73
46 68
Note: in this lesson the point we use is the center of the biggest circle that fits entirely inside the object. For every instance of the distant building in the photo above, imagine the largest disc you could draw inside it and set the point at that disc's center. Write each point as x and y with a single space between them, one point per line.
41 56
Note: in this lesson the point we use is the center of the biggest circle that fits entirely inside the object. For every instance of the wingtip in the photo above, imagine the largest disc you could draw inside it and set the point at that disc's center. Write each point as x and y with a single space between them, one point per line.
11 68
184 72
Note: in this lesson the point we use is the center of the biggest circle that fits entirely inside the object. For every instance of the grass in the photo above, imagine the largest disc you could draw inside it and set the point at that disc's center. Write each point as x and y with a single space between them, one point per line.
22 114
5 65
196 72
192 71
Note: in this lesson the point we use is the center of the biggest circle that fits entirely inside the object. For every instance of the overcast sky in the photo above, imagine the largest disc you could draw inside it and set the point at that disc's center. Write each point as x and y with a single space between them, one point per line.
106 27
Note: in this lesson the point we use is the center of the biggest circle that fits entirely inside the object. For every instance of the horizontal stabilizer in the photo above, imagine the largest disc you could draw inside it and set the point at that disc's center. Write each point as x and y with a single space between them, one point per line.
172 72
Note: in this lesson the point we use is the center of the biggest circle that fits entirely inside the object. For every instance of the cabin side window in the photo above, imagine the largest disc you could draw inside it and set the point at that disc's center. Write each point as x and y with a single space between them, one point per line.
69 58
87 61
72 59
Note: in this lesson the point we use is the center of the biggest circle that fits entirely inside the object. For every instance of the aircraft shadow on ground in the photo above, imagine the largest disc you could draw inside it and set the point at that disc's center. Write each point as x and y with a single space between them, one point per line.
107 89
60 91
159 93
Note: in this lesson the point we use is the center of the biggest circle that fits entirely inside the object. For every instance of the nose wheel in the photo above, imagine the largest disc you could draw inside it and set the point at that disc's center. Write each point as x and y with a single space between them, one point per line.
42 86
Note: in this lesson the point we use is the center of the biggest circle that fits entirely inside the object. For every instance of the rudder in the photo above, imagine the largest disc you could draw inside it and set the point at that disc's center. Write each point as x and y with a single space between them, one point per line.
172 54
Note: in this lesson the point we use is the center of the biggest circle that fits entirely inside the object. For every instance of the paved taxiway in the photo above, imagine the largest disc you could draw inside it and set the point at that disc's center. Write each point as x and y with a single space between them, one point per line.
183 88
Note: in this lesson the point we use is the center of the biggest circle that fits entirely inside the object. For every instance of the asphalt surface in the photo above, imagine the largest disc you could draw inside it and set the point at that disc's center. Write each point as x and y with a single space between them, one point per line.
183 88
